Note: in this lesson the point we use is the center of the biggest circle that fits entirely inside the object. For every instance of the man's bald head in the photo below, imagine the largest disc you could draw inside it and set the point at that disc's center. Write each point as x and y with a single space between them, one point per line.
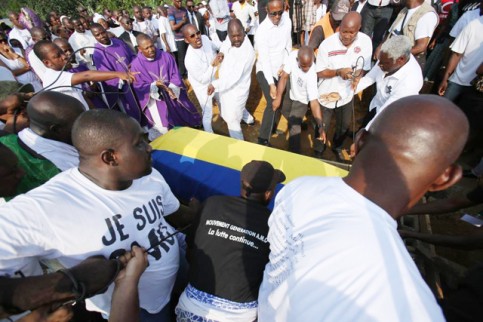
98 130
409 149
143 38
60 42
352 19
349 28
305 57
236 32
52 115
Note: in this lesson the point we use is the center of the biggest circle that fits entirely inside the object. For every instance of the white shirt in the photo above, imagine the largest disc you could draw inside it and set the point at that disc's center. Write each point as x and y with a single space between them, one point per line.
425 25
64 79
322 10
235 73
220 10
336 256
64 156
79 40
71 218
333 54
165 27
303 86
6 74
198 63
28 77
463 21
273 44
145 26
22 35
407 81
243 13
360 6
469 43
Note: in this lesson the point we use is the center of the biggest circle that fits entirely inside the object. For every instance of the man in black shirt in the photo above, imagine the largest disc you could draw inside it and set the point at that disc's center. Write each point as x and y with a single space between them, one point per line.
229 249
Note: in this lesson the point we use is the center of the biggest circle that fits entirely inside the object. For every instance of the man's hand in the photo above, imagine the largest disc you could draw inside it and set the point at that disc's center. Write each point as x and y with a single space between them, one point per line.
344 73
211 89
355 82
432 44
134 263
273 91
322 136
129 76
185 19
171 94
168 49
217 60
442 87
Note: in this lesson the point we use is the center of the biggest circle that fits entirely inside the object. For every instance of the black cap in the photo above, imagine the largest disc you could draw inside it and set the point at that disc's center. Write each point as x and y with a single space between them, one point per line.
260 176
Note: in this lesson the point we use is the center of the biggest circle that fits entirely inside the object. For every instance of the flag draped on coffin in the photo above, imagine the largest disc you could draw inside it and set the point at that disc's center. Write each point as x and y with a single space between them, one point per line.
200 164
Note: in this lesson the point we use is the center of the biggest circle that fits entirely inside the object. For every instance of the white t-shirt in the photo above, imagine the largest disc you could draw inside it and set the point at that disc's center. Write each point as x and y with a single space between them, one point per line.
336 256
303 86
470 44
463 21
425 25
79 40
58 78
164 27
36 64
333 54
22 35
71 218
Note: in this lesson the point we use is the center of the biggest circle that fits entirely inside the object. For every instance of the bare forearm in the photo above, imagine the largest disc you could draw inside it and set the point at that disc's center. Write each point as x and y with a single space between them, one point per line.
125 301
317 114
94 76
452 63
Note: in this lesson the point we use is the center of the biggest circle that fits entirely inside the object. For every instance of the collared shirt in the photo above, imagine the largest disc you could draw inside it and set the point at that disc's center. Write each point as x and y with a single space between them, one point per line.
407 81
198 63
273 44
333 55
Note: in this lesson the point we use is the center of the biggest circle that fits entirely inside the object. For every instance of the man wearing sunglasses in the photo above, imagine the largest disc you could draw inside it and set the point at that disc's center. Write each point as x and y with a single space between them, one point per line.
273 44
201 62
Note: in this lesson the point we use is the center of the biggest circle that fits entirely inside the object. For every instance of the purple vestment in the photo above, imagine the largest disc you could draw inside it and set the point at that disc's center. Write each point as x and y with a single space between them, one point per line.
117 57
180 112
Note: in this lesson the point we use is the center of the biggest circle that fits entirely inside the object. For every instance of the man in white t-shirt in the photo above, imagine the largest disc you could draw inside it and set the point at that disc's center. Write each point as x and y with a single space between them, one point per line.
341 59
243 11
300 78
19 32
82 38
335 252
466 57
417 20
397 74
201 62
56 79
113 200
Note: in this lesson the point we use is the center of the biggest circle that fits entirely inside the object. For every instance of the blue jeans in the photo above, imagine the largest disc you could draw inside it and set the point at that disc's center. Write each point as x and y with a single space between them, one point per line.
453 91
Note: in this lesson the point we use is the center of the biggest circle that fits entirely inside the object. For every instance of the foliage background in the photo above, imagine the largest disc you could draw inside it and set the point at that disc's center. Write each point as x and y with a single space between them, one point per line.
42 7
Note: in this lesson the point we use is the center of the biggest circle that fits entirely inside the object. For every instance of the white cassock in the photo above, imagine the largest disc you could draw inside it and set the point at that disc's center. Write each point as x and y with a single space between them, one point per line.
233 84
200 74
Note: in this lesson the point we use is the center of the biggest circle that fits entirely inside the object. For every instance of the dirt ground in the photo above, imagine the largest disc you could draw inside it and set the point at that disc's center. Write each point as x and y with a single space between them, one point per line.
441 224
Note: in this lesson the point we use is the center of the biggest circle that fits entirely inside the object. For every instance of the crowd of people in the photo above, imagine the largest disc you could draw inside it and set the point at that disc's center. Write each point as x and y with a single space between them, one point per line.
86 217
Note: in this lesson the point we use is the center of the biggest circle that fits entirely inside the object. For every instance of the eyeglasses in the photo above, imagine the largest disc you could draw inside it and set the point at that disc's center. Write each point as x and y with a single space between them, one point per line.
195 34
190 6
276 13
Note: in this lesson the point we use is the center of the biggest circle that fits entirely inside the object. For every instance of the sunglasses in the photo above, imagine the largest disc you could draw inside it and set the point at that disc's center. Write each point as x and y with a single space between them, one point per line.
195 34
276 13
190 6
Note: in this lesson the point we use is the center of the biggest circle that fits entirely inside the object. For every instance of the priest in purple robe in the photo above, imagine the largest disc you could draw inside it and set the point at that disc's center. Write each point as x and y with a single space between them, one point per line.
160 89
111 54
